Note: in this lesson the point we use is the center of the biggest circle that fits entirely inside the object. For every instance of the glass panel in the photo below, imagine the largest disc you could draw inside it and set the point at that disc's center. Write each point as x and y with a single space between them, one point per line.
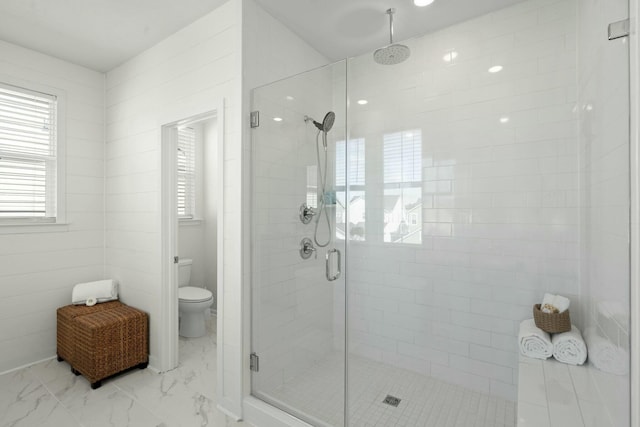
472 192
298 315
603 106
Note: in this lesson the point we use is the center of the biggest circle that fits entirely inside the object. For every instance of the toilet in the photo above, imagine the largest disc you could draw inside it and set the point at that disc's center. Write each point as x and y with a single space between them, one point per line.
193 303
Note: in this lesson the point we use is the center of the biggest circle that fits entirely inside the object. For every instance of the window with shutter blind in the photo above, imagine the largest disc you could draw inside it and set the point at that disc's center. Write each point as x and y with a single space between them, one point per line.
29 156
402 153
186 177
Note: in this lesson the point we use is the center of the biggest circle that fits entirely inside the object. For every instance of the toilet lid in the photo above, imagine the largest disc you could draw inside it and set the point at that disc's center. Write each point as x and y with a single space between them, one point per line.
190 293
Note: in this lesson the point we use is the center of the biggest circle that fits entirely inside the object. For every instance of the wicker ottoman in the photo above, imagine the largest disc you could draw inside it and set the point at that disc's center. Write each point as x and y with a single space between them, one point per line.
102 340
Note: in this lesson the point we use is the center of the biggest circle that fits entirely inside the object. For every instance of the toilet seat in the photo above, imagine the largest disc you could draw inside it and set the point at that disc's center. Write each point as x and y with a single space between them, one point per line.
193 294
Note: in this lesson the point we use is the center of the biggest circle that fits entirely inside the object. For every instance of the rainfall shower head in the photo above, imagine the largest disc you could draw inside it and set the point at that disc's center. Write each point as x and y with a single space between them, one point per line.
394 53
327 122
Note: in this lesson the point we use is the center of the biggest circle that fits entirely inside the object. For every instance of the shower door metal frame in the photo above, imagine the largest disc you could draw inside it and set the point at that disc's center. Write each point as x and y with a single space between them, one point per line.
634 163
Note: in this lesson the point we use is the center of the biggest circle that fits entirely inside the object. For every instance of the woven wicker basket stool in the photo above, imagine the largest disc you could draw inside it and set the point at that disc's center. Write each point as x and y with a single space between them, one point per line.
102 340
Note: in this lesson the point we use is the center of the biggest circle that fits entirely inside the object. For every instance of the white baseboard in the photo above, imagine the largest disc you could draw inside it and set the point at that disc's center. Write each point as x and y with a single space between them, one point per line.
27 365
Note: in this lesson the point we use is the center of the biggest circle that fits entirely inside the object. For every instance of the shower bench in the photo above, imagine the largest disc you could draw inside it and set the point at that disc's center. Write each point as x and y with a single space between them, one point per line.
552 394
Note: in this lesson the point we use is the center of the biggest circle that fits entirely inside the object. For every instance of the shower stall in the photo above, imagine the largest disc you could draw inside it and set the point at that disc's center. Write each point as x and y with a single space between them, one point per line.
406 217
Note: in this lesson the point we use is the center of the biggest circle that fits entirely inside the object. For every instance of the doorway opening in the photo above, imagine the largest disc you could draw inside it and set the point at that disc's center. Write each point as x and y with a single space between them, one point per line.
192 173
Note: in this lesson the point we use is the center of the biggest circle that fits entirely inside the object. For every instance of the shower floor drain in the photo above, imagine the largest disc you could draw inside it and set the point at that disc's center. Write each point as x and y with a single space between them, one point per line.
391 400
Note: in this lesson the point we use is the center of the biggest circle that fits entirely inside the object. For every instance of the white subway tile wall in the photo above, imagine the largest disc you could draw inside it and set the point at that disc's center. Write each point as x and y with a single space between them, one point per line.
500 194
38 270
603 106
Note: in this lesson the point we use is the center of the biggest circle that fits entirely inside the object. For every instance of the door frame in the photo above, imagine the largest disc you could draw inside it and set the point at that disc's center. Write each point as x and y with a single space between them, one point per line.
168 357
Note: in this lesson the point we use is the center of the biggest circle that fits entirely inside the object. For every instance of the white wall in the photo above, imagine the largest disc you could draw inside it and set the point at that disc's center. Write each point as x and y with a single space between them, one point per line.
38 270
182 76
604 159
500 200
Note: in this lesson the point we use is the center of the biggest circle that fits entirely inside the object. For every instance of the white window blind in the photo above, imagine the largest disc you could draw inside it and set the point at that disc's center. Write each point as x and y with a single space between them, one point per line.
354 154
28 154
186 161
403 187
403 157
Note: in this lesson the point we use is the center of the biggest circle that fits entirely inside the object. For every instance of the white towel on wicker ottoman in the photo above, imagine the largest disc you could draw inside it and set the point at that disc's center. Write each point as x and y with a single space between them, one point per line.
533 341
101 290
569 347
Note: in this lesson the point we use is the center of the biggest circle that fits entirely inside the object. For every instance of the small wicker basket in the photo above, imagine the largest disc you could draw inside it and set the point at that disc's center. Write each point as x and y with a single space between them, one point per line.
551 322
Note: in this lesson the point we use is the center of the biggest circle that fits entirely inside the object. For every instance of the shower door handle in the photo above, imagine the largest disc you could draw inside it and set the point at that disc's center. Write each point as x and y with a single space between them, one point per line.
336 276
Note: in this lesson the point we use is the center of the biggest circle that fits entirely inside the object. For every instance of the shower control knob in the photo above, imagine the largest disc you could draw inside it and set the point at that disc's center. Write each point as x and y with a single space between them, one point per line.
307 248
306 213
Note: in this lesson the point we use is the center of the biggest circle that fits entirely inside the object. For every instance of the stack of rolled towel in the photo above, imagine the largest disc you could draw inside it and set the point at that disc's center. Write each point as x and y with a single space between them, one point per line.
566 347
91 293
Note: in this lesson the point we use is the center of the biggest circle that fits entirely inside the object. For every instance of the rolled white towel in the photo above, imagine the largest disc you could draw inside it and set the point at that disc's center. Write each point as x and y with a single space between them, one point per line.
533 341
605 355
101 290
569 347
551 303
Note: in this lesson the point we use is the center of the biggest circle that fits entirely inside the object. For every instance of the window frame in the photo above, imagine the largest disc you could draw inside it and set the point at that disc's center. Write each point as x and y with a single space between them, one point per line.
9 225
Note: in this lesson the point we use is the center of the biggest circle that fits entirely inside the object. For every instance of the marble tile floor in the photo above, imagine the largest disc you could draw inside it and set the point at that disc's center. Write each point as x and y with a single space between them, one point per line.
48 394
425 401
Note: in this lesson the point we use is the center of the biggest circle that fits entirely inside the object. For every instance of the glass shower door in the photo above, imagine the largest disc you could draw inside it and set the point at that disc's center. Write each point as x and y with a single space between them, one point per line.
298 250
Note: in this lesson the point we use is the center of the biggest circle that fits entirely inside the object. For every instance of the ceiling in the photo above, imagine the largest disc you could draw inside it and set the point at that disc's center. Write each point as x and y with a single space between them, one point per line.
343 28
101 34
98 34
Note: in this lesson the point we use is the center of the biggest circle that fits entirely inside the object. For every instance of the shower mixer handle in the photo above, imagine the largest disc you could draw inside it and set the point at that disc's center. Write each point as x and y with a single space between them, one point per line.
307 248
306 213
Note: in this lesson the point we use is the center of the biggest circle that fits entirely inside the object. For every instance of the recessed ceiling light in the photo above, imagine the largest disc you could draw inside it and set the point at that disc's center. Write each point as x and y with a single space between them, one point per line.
363 102
277 119
495 69
289 98
504 119
422 3
450 56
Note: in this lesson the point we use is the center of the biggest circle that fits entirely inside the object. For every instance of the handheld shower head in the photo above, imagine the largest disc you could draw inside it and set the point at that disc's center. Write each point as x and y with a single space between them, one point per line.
327 122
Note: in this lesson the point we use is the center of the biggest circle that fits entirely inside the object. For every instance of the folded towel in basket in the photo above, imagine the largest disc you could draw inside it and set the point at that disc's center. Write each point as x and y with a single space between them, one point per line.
554 304
101 290
533 341
569 347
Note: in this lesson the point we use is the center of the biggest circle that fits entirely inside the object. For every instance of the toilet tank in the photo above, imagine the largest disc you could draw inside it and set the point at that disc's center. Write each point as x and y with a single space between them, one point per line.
184 271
